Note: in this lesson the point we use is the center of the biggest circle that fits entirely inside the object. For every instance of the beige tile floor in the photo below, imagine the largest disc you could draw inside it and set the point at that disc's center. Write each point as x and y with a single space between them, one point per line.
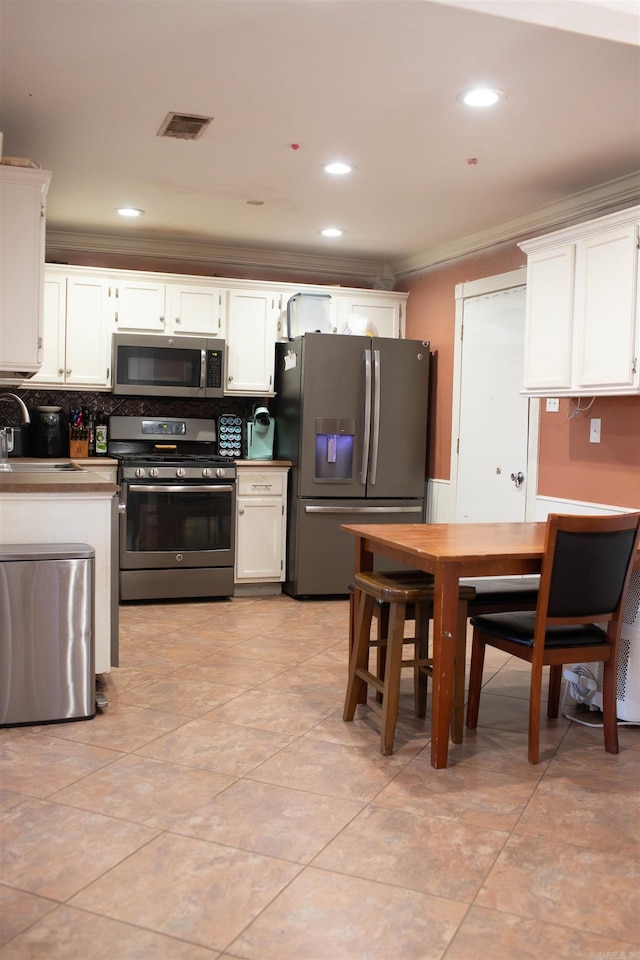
220 808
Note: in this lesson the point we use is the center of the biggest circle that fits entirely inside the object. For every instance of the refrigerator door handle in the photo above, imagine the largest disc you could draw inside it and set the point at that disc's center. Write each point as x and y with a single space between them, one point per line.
375 435
351 510
366 429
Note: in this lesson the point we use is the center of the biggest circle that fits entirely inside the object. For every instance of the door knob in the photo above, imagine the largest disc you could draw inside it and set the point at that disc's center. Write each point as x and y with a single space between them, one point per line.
518 478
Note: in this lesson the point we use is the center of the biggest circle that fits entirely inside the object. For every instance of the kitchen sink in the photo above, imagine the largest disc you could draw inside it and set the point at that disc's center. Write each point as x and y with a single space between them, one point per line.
17 467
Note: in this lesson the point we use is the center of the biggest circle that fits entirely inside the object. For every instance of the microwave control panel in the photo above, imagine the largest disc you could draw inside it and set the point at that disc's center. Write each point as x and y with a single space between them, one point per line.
214 368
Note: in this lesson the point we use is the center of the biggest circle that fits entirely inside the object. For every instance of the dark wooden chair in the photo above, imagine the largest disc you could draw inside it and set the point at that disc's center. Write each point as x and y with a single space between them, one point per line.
394 599
585 571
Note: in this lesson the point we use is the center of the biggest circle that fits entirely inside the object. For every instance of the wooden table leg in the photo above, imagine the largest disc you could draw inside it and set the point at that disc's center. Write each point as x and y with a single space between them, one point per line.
457 716
445 623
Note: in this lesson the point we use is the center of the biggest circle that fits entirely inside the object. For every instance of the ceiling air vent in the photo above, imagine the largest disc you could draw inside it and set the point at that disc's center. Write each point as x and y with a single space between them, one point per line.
184 126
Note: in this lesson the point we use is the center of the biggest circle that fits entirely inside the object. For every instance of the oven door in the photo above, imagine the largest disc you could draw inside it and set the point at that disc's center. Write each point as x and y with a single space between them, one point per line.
173 525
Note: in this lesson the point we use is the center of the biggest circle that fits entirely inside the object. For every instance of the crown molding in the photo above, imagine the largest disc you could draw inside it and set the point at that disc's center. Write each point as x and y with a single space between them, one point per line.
588 203
381 275
376 271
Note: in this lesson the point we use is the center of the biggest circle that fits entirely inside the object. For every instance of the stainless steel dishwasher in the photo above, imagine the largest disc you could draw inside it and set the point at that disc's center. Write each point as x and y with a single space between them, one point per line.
46 633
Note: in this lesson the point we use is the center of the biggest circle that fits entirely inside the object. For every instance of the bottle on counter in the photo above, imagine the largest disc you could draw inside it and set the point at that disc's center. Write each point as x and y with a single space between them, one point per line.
89 420
101 434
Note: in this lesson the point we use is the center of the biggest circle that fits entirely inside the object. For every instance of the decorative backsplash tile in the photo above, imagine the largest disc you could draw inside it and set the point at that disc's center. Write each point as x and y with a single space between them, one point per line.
126 406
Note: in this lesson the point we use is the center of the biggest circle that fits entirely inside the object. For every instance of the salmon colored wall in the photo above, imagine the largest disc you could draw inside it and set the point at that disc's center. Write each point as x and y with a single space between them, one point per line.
570 467
605 472
431 309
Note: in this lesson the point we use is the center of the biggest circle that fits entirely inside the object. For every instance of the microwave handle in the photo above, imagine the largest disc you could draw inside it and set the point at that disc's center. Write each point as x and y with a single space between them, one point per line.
203 369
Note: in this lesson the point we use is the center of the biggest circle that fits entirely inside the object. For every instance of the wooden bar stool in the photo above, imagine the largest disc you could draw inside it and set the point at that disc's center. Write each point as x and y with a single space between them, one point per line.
399 597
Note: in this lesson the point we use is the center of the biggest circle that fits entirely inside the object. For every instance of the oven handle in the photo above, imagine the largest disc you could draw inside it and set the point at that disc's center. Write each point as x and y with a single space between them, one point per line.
348 510
203 369
180 488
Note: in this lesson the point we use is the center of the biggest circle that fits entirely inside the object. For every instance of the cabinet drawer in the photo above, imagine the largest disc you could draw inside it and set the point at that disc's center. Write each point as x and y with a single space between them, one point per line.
263 484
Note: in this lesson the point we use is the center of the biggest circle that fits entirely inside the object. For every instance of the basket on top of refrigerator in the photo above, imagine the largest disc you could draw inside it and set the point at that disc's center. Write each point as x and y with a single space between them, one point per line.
308 313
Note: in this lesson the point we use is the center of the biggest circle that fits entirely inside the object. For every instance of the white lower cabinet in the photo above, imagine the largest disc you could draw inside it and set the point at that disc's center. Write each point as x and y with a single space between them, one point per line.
261 524
78 517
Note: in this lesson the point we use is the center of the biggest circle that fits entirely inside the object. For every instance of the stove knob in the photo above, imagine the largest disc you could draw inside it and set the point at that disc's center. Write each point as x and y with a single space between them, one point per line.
206 472
139 471
220 472
181 472
154 472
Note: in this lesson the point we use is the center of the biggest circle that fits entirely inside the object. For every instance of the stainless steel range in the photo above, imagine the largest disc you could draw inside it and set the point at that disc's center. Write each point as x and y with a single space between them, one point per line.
177 508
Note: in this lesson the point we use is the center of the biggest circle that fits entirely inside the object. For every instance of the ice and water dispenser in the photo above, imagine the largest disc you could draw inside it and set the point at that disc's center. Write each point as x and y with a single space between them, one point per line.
334 449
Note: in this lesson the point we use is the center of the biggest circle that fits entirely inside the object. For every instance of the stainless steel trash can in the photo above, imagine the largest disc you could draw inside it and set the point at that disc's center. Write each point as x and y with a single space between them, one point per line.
46 633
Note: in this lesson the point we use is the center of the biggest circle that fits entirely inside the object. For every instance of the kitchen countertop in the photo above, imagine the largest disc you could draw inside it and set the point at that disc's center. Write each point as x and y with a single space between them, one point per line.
263 463
15 481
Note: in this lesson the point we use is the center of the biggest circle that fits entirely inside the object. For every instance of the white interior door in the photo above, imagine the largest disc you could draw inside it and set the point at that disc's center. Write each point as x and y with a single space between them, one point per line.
493 436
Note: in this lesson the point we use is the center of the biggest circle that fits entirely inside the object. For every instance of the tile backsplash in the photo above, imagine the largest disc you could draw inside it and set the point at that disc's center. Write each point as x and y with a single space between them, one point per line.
10 414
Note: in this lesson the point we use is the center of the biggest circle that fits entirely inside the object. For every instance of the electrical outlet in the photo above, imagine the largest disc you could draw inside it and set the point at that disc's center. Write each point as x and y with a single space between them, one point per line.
594 431
553 404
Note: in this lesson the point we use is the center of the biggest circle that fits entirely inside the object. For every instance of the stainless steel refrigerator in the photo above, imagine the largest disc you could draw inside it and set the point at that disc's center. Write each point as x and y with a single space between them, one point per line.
351 415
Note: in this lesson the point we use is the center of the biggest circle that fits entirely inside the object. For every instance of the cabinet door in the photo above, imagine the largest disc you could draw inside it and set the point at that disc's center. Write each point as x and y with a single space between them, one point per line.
605 310
195 310
384 313
22 228
251 338
54 333
140 305
259 539
89 328
549 319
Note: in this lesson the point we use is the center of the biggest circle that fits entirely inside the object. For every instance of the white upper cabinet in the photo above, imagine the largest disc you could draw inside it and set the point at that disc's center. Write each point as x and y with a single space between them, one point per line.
78 323
583 326
151 305
88 332
252 331
140 305
195 309
85 306
22 228
54 335
383 311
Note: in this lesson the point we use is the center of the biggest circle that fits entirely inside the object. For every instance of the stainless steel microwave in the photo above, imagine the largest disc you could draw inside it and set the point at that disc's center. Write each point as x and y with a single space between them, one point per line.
166 366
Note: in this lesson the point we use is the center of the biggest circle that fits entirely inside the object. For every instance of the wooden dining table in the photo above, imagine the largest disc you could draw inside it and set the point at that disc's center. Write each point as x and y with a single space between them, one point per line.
449 551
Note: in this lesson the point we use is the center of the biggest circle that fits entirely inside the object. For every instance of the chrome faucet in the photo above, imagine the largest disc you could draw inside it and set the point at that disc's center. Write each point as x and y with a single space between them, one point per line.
23 407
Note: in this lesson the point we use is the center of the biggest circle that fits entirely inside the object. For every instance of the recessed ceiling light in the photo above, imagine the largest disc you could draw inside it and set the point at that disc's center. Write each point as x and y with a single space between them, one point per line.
482 96
337 168
129 211
332 232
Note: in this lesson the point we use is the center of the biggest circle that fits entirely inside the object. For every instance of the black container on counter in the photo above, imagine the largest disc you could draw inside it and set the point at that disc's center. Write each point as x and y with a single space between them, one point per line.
49 433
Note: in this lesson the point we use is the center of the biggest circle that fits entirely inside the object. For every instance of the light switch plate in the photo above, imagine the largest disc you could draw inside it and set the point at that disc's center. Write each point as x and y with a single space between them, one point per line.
594 431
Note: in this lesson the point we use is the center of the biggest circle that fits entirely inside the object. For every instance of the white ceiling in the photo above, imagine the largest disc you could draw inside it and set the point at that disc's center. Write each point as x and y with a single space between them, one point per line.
86 85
